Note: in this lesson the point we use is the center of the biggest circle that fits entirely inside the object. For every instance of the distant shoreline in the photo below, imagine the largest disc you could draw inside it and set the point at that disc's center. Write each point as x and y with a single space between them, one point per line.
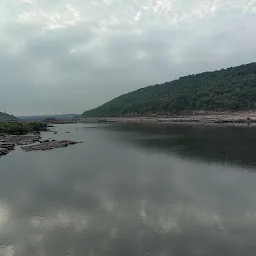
200 117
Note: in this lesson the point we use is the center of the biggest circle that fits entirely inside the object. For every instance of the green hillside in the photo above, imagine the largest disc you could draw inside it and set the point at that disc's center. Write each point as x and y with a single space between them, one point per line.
227 89
7 117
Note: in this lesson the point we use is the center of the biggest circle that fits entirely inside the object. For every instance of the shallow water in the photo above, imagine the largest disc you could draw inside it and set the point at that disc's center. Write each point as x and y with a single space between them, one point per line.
132 190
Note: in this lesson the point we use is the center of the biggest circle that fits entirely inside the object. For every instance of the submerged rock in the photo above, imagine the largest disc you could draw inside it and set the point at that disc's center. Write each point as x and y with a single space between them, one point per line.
49 145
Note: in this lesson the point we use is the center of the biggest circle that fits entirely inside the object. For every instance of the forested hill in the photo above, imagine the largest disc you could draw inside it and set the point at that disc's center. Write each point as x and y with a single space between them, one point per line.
227 89
7 117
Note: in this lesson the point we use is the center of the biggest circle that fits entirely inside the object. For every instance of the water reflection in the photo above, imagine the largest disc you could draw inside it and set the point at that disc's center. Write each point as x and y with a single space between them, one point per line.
224 144
126 191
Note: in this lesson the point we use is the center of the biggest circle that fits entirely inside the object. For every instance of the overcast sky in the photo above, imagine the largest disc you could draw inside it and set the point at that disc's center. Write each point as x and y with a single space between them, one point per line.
65 56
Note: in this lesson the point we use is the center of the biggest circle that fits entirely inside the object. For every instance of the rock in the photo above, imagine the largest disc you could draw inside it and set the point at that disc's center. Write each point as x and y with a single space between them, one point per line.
4 151
20 139
49 145
8 146
30 143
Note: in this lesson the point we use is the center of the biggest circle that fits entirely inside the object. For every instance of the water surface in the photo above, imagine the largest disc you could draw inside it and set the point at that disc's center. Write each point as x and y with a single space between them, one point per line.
132 190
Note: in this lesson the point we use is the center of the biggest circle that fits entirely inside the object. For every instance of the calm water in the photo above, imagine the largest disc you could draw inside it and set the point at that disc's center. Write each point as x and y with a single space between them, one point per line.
132 190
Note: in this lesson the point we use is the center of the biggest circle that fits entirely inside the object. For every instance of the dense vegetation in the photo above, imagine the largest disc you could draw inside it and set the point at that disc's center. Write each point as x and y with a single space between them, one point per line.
227 89
7 117
19 128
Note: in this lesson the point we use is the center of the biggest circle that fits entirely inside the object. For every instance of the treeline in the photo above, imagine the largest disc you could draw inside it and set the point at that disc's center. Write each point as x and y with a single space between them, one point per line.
18 128
224 90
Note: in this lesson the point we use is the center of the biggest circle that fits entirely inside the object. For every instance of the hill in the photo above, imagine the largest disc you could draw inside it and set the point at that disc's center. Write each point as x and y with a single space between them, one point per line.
6 117
227 89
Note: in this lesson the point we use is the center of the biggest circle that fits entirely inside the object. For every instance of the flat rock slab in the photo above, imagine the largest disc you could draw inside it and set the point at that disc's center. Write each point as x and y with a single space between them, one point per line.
9 146
19 140
49 145
8 142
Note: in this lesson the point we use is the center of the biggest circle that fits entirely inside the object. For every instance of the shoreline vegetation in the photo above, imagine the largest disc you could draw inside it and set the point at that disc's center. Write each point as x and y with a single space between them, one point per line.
21 128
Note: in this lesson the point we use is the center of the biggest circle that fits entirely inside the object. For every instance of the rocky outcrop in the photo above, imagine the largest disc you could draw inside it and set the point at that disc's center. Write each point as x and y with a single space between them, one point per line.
30 143
4 151
19 140
8 142
8 146
49 145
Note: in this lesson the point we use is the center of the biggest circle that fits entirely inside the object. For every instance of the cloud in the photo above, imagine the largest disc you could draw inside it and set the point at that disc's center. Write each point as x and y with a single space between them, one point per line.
66 57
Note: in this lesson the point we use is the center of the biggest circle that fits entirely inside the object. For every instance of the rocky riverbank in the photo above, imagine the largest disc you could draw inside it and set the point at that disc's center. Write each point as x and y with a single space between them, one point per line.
204 118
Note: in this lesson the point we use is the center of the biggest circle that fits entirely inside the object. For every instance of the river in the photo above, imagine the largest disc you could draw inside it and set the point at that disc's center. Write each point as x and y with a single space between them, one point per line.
132 190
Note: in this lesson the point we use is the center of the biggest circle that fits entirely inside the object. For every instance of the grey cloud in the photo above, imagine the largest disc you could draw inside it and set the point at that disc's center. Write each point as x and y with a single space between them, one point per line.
100 50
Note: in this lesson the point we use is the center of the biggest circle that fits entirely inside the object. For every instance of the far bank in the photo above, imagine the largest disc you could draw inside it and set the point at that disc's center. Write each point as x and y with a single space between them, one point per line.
201 117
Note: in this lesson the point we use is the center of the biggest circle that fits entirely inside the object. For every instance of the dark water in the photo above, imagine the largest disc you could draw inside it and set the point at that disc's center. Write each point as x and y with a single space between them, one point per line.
132 190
